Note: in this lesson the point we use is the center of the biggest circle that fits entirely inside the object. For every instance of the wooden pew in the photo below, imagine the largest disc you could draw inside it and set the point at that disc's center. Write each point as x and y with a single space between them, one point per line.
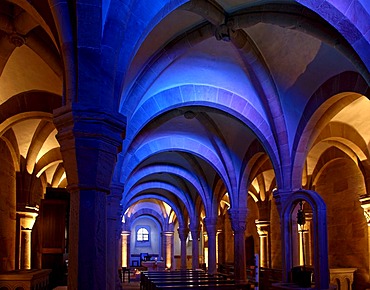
186 283
182 273
225 286
186 279
145 277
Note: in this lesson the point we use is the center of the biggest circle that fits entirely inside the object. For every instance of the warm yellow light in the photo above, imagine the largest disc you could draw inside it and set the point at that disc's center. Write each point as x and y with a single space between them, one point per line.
206 256
125 235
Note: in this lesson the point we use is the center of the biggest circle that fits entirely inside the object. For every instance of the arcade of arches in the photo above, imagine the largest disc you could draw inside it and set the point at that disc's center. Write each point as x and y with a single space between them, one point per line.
194 131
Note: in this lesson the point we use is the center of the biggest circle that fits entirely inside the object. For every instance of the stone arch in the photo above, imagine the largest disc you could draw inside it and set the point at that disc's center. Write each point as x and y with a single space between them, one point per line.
151 212
43 130
345 18
320 240
11 141
342 136
330 155
164 187
332 93
174 207
142 29
175 143
200 185
216 98
28 102
147 215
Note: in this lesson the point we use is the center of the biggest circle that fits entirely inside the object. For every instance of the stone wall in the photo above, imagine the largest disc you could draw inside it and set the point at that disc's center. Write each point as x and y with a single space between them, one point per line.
341 185
7 209
275 232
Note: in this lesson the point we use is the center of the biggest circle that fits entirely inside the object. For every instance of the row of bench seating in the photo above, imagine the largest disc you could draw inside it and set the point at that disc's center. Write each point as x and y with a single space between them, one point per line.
187 279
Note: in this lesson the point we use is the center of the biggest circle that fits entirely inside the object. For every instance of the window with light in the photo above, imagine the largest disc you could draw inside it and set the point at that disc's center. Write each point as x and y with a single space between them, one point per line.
142 235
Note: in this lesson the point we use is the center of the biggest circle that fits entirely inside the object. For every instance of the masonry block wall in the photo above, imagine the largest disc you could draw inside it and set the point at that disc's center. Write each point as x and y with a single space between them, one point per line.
276 262
7 209
341 184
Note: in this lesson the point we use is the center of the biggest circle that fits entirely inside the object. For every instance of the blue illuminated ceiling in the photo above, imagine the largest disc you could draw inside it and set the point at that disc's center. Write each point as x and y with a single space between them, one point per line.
213 107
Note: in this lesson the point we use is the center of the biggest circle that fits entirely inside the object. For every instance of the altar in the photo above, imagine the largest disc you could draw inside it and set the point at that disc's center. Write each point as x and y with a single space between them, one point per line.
154 265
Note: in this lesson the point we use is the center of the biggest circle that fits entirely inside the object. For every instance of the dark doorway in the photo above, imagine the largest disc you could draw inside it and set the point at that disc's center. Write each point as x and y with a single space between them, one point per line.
249 251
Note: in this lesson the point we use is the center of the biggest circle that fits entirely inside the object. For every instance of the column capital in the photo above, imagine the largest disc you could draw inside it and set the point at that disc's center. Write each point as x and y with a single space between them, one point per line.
281 195
365 204
263 228
125 233
27 219
238 218
183 233
210 224
195 226
195 230
167 234
78 121
89 137
195 234
210 220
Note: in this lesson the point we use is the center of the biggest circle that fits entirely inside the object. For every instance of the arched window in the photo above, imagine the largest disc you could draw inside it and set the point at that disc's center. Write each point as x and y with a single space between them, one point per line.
142 235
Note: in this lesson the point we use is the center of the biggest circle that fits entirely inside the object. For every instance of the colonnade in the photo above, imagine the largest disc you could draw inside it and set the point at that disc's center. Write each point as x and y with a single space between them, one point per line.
306 247
238 221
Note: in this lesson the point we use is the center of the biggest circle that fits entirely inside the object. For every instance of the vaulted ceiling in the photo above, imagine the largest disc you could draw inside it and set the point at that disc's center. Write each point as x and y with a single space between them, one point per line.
220 96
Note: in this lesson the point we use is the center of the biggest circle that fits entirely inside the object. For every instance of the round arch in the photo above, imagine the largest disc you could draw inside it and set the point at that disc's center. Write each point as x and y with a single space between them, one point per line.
148 212
174 207
313 115
320 239
199 184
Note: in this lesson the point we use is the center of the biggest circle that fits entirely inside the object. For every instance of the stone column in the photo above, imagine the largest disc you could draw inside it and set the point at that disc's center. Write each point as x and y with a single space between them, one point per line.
305 244
126 235
183 235
89 139
25 249
163 247
219 249
195 234
238 224
281 197
204 240
263 230
221 246
168 238
210 224
114 225
27 221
